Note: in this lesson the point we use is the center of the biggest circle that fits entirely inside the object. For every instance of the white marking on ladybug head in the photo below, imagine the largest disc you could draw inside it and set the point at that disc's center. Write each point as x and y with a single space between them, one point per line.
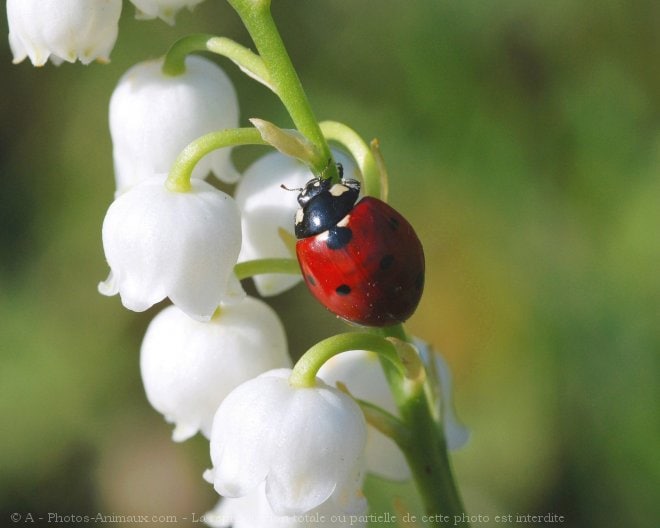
338 189
322 237
299 215
344 221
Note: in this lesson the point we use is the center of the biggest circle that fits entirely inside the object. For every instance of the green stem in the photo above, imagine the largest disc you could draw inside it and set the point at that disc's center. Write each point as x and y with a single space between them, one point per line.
250 268
258 20
244 58
179 177
175 58
305 370
351 140
427 454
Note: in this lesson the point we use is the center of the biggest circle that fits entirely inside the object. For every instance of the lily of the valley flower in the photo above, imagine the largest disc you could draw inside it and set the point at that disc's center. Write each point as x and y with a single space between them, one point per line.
182 245
188 367
164 9
254 511
266 208
305 443
153 116
64 30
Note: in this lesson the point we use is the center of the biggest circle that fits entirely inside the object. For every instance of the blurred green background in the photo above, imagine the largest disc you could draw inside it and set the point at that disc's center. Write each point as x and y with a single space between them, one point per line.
522 140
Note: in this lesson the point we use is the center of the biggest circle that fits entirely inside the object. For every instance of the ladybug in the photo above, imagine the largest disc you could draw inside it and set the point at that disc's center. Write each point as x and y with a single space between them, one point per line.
361 259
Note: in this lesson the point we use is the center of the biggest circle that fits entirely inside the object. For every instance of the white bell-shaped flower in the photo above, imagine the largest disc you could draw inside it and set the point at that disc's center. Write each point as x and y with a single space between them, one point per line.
254 511
361 372
182 245
64 30
164 9
267 208
153 116
305 443
188 367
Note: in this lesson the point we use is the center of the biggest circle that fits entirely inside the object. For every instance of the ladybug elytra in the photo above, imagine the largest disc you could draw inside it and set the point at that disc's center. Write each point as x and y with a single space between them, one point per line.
361 259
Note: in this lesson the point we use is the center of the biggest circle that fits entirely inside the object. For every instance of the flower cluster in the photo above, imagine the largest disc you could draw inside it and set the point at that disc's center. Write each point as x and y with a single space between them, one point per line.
201 357
287 446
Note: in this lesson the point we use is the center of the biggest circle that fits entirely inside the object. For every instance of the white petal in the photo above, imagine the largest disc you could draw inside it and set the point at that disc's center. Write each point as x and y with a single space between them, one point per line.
182 431
62 29
254 511
109 286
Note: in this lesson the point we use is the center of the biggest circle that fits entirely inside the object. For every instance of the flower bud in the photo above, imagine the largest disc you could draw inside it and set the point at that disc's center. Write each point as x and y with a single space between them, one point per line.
305 443
64 30
266 208
189 367
182 245
164 9
154 116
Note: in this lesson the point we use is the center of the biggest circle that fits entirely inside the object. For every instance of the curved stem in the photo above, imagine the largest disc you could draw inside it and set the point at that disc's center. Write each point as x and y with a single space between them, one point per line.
427 454
258 20
351 140
250 268
305 370
179 176
175 58
248 61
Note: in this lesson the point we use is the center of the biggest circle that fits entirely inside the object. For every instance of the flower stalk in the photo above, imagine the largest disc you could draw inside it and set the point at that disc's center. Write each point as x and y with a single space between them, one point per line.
305 370
243 57
178 179
250 268
284 80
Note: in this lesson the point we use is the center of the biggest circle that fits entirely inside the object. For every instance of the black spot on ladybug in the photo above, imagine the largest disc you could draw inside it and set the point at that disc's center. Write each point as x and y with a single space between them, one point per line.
338 237
394 223
343 289
386 261
311 281
419 280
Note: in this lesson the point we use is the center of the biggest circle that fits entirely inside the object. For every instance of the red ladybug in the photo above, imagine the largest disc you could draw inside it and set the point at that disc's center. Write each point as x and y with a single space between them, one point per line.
362 261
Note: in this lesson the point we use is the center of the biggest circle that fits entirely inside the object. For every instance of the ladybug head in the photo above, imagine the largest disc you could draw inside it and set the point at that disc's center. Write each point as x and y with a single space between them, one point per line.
323 204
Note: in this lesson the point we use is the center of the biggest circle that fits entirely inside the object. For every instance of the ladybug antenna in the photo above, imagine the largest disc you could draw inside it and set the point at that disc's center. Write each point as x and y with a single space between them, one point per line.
299 189
340 170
